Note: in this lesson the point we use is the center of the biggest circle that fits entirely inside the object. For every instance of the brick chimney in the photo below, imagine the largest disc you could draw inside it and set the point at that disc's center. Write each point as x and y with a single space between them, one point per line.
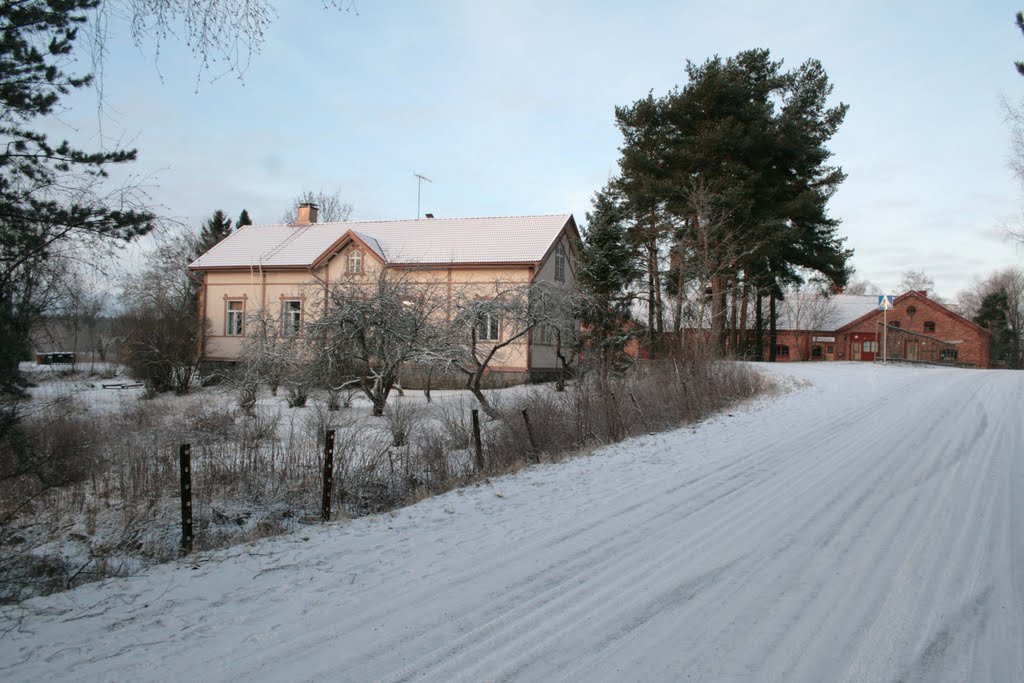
923 292
307 213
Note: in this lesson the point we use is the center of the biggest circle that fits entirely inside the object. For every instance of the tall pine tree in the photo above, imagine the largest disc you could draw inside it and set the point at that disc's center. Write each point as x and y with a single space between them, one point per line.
731 175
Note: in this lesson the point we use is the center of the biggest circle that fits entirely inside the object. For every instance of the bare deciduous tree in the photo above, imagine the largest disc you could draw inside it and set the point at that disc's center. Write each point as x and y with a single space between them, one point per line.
377 327
862 287
1009 282
557 311
487 320
330 207
806 309
163 333
224 35
918 281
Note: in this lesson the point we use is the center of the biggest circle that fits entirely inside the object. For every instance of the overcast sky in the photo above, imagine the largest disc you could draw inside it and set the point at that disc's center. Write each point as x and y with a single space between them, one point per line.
508 108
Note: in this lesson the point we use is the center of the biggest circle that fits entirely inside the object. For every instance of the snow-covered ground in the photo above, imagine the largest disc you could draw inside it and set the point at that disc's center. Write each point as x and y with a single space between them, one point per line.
867 525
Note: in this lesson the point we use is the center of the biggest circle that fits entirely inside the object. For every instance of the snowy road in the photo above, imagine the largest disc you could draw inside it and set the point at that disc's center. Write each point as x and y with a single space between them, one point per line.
868 526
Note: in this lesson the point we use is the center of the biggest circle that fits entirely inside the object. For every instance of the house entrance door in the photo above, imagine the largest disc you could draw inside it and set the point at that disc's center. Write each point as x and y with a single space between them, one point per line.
856 351
911 350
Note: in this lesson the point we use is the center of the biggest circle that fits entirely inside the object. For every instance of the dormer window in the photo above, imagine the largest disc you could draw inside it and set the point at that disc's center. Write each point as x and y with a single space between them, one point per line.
355 262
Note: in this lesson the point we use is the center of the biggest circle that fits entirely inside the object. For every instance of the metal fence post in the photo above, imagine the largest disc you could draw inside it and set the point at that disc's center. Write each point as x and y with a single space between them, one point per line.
325 511
185 462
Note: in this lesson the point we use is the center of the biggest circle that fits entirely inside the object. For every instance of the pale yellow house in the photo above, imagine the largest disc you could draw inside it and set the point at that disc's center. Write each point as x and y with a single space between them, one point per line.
287 270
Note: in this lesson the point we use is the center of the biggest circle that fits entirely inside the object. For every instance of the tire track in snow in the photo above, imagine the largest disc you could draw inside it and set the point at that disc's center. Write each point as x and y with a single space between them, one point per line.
571 617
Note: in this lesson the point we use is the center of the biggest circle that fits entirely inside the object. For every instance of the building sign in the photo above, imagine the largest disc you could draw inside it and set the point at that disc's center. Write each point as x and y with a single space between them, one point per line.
824 339
885 302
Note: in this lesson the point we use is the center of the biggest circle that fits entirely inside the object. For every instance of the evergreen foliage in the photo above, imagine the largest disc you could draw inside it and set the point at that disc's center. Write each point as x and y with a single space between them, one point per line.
243 220
606 270
994 315
1020 25
216 228
52 195
731 175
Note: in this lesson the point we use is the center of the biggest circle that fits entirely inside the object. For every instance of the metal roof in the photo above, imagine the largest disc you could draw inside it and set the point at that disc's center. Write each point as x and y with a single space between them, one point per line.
808 309
500 239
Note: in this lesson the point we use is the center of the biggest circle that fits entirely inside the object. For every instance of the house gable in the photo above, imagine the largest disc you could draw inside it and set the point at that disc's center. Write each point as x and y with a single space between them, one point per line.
901 302
265 266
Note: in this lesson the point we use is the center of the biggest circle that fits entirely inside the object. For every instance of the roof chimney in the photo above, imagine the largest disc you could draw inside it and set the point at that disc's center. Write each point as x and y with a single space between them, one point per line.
923 292
430 215
307 213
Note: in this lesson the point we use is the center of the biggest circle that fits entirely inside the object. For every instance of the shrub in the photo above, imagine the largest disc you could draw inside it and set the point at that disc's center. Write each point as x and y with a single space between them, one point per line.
402 419
117 478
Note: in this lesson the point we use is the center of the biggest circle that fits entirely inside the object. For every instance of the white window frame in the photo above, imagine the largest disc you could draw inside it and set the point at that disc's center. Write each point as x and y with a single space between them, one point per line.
354 265
234 319
291 316
545 335
488 326
560 261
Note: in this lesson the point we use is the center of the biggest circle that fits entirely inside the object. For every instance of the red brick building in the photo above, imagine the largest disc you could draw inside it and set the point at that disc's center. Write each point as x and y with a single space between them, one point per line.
849 327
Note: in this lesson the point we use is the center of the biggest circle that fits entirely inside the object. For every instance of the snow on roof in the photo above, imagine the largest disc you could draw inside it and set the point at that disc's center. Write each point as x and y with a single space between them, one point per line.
809 310
503 239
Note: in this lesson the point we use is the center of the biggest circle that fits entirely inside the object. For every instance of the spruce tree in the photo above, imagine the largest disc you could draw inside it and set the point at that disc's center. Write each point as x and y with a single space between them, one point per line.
607 267
215 229
993 315
243 220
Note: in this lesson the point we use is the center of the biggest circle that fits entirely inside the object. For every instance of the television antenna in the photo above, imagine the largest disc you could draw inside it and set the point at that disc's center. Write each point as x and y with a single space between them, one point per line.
419 184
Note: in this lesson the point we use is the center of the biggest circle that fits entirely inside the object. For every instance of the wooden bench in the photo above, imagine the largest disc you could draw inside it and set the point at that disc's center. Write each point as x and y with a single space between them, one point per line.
121 385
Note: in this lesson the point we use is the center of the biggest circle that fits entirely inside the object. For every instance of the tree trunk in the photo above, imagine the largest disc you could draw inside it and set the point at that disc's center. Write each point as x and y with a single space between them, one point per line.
677 326
733 325
718 311
743 337
426 387
759 326
560 382
377 392
473 384
650 302
659 310
773 336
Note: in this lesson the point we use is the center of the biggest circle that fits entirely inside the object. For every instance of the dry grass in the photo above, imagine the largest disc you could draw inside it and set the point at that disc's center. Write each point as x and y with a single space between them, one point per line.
101 497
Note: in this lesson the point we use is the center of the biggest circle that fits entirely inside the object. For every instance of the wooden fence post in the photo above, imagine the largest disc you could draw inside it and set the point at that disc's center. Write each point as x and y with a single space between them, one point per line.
477 444
185 462
325 511
533 453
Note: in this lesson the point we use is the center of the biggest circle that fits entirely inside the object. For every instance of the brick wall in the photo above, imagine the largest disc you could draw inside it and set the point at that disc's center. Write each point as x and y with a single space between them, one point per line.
912 311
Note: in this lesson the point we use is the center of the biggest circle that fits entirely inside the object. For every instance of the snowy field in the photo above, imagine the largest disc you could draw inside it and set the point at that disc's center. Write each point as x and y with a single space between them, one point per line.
867 525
